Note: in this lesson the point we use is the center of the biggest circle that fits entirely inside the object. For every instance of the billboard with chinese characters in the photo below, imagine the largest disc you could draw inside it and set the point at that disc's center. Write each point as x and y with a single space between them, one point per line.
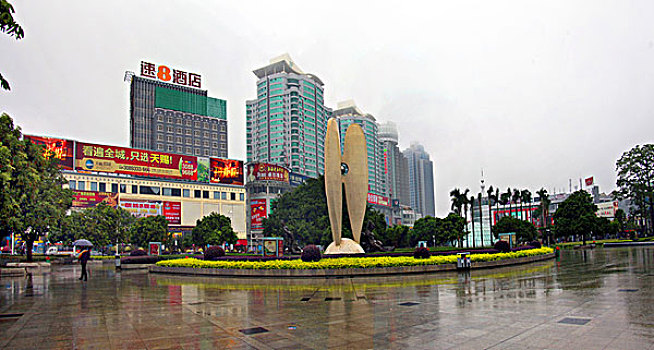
226 171
168 75
257 213
173 212
121 160
203 169
267 172
59 148
297 179
88 199
141 208
378 200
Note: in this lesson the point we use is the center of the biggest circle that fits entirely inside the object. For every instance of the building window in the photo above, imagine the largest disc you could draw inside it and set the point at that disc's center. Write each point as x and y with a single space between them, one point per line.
160 127
160 147
160 137
216 195
223 195
189 132
169 129
197 125
102 187
123 188
170 148
170 119
206 143
198 134
179 149
150 190
172 192
197 152
197 194
169 138
114 188
205 194
206 125
222 127
188 123
179 121
187 193
206 135
241 197
178 131
94 186
160 118
214 127
189 142
135 189
178 139
223 137
206 152
233 196
81 185
188 150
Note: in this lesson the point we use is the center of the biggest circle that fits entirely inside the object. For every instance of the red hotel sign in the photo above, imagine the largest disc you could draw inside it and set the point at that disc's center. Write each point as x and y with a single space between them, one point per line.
175 76
112 159
267 172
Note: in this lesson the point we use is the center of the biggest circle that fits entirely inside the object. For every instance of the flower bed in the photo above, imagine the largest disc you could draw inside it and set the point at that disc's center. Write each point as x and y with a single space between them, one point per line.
347 263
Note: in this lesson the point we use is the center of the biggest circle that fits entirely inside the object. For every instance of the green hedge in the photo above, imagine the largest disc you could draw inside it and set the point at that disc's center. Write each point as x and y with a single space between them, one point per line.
346 263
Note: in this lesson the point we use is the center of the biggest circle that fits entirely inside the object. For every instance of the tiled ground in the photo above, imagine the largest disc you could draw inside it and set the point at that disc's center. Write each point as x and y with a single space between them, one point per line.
601 299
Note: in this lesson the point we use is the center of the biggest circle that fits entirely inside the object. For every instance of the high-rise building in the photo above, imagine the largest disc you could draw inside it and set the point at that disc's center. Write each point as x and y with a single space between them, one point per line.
421 180
170 113
347 114
287 122
395 165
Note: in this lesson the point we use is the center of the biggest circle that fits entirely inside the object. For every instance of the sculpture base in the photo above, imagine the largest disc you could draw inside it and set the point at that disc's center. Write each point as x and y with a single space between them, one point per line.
347 246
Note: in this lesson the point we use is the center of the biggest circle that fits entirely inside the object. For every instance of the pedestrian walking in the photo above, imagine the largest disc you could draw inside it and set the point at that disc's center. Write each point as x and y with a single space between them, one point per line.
84 256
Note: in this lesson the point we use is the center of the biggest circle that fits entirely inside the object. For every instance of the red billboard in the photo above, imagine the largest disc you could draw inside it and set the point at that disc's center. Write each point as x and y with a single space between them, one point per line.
257 213
58 148
267 172
121 160
88 199
173 212
226 171
378 200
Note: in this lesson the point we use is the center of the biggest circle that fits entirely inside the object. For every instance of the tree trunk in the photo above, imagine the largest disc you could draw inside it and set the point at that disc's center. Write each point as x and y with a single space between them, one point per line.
481 222
29 244
472 221
490 221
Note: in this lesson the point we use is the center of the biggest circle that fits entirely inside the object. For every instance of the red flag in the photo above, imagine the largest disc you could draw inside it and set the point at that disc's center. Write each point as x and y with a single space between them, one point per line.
589 181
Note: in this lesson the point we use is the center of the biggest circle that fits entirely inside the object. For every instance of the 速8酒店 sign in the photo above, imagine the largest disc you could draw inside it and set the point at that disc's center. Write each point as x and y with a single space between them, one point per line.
111 159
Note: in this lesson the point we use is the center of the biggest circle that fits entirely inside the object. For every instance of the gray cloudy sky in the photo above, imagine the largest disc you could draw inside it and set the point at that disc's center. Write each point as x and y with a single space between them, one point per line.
533 92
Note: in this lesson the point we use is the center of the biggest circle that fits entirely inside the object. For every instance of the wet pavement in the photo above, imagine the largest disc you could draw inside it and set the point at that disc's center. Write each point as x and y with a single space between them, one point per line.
599 299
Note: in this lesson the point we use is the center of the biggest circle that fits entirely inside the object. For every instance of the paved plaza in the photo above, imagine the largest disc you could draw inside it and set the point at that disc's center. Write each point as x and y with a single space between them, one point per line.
596 299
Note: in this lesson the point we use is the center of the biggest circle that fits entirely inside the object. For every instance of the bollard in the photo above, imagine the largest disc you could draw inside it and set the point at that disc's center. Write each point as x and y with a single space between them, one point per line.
117 261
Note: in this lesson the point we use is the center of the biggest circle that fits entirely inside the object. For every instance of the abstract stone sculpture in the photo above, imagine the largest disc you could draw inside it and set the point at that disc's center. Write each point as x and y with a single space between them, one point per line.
350 169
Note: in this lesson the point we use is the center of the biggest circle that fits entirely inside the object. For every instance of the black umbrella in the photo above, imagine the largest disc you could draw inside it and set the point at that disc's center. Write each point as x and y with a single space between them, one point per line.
83 243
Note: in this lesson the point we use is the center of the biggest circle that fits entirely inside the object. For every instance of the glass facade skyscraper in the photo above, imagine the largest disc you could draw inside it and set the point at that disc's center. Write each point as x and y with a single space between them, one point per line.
286 123
395 165
421 180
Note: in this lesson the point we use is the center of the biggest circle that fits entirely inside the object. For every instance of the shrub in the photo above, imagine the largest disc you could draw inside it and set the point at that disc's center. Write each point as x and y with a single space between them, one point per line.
138 252
310 253
421 253
502 246
213 253
535 244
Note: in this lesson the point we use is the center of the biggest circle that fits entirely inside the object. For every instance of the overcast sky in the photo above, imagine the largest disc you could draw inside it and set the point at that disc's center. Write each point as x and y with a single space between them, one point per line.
535 93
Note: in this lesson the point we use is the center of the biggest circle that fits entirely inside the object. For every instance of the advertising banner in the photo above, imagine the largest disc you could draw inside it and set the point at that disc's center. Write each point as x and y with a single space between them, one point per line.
111 159
59 148
267 172
589 181
203 169
226 171
141 208
173 212
88 199
378 200
258 213
297 179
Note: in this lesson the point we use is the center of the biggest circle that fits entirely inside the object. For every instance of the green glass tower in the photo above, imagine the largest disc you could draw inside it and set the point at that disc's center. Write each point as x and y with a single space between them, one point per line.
286 123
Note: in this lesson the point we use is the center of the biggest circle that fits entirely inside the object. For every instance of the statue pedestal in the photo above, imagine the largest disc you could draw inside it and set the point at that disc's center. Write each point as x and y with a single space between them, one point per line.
347 246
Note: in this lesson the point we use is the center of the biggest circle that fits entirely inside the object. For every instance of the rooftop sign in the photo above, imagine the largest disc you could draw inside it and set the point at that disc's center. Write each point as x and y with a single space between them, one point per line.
175 76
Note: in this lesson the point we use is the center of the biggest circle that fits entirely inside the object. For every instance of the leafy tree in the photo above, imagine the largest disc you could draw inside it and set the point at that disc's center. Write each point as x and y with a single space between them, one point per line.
69 228
447 230
8 26
635 179
525 197
454 225
544 212
31 195
576 216
620 218
214 229
397 236
304 212
525 231
109 225
149 229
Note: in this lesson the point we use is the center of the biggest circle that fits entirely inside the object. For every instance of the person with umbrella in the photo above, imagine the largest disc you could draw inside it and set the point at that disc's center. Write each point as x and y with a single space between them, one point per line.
84 255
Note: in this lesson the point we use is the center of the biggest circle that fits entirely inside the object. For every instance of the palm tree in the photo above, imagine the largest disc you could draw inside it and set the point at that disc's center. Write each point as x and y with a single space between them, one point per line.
525 196
464 201
505 199
490 212
455 196
515 197
472 218
497 204
545 204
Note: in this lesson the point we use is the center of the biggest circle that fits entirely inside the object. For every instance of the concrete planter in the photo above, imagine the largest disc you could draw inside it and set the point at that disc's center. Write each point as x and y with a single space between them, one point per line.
327 273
